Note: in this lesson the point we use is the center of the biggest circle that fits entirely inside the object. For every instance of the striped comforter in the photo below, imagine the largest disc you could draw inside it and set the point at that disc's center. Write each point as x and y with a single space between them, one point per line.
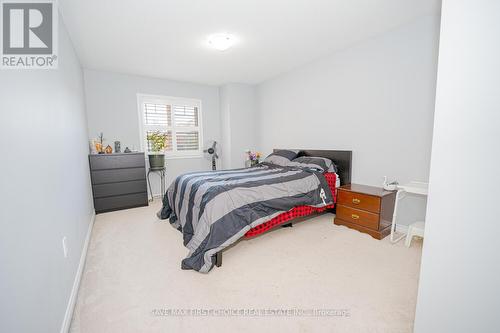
214 209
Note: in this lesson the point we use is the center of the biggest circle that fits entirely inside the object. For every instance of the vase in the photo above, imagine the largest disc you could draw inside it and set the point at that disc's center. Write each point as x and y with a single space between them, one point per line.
156 161
118 148
98 147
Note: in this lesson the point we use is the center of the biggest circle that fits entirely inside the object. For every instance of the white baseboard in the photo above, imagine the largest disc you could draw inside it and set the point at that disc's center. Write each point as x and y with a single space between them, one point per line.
401 228
76 284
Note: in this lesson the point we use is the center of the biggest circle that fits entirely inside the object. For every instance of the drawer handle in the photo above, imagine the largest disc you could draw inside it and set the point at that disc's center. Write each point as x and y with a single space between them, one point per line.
354 216
356 201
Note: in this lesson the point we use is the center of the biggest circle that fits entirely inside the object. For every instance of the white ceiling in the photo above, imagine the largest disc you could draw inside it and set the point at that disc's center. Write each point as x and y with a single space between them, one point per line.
166 38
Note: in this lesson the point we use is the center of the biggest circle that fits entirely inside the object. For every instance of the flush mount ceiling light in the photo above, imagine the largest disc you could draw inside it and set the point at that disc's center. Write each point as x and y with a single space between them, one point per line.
221 41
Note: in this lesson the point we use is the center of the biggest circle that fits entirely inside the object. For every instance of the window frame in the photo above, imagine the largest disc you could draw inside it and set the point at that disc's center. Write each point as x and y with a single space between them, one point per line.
142 99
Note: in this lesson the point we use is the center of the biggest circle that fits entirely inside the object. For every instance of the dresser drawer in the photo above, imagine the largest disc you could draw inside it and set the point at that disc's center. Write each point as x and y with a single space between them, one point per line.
118 175
115 161
120 202
359 217
359 201
106 190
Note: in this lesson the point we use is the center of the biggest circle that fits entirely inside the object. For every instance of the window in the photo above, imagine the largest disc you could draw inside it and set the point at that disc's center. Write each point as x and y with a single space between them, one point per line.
178 118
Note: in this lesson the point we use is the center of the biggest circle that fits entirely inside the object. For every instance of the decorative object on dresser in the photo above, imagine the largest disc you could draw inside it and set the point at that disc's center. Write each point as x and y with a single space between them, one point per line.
118 181
365 208
93 146
118 148
100 144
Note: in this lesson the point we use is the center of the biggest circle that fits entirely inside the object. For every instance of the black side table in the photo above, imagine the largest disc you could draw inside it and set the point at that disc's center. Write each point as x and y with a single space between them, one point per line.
161 172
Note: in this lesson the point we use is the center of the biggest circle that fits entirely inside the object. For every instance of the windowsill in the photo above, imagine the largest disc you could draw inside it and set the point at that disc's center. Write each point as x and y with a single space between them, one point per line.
177 157
181 156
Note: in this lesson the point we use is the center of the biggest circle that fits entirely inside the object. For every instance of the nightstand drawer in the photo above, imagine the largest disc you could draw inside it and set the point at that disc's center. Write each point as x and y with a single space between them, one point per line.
359 217
359 201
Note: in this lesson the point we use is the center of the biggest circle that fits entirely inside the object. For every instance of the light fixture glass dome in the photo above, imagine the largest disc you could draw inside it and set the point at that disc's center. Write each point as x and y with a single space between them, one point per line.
221 41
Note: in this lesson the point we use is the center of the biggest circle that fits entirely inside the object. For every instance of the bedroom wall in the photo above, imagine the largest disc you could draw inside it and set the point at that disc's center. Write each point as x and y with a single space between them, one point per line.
238 118
460 271
375 98
45 191
112 109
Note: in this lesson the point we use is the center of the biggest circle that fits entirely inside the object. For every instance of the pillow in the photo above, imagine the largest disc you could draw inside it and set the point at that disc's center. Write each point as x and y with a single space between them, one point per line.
316 163
281 157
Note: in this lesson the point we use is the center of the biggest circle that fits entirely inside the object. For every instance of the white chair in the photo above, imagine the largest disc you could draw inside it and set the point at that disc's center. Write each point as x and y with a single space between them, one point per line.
417 188
415 229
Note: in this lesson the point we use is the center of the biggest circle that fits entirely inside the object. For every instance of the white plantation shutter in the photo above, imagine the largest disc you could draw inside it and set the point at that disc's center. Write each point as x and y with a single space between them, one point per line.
186 123
177 117
187 140
186 115
158 118
157 114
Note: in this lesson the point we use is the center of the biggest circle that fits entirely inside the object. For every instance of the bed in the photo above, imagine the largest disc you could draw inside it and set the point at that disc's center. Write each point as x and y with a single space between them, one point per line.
215 209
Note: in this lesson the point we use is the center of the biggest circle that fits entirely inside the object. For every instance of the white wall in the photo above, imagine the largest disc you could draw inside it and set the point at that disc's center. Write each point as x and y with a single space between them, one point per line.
375 98
460 272
225 118
238 118
112 109
45 191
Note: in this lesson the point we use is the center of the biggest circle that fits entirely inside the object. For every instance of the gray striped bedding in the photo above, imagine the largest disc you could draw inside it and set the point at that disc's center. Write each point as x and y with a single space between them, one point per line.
281 157
318 163
214 209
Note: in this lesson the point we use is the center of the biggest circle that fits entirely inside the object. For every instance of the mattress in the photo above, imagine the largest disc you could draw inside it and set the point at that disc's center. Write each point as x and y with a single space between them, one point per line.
296 212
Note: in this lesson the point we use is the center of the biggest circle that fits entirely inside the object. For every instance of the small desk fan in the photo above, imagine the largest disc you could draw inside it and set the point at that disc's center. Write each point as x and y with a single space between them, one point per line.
212 152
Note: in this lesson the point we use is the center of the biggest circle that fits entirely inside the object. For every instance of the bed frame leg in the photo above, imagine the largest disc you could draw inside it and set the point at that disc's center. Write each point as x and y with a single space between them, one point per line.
218 259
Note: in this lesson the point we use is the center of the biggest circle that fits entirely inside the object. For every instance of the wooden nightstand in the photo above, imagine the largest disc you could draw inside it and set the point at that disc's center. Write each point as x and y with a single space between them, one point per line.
365 208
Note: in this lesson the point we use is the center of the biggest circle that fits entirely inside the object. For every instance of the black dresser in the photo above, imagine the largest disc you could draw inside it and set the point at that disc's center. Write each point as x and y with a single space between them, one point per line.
118 181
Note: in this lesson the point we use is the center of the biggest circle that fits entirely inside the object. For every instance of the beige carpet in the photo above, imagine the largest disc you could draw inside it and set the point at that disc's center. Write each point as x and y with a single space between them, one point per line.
133 278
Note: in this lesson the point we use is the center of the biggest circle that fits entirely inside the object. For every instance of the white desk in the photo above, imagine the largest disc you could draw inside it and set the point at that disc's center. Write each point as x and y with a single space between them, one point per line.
417 188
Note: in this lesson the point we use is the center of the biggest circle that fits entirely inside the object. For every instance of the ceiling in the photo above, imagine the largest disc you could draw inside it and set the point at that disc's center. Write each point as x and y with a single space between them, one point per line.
167 38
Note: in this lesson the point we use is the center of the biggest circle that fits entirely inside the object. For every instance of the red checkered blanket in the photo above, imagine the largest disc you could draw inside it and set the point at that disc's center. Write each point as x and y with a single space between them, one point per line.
295 212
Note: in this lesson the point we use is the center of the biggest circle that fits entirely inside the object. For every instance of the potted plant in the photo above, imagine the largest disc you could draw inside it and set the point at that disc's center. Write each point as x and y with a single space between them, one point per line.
158 143
253 157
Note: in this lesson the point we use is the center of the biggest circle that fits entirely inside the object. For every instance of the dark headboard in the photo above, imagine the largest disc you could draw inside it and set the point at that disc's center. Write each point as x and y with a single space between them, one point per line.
341 158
